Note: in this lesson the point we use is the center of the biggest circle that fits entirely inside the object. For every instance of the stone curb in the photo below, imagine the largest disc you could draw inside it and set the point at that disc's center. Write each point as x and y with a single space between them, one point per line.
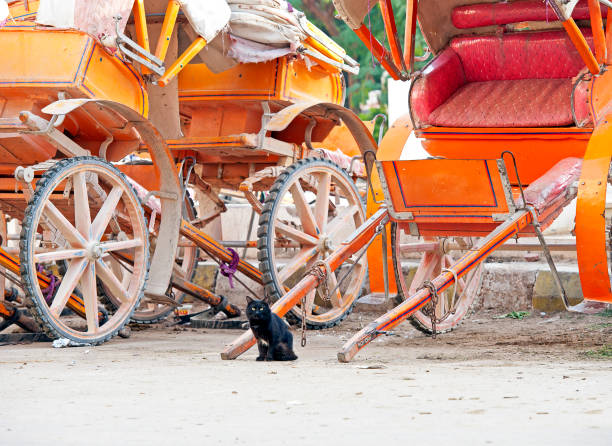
506 286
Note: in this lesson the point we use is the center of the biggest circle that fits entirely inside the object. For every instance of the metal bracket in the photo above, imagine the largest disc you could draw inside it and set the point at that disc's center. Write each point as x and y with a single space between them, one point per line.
308 133
265 120
159 194
551 264
148 60
381 131
414 229
500 217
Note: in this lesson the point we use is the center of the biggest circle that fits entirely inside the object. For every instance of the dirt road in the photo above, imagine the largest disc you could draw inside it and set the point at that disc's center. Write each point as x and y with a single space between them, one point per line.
498 382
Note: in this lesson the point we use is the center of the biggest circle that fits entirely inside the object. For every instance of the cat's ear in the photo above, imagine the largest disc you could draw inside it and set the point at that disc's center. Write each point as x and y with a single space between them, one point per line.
249 300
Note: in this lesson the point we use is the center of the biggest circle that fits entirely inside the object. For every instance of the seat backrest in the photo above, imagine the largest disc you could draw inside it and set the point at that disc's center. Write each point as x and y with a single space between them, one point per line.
524 55
503 13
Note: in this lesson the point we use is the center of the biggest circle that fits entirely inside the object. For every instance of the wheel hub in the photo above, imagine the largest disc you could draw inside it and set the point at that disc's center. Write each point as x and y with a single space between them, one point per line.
325 244
94 251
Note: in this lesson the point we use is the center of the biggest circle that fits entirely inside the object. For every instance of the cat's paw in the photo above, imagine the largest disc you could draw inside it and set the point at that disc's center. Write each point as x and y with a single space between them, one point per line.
259 358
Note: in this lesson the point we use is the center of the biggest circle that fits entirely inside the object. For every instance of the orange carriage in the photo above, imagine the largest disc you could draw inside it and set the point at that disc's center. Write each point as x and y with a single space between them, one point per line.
192 106
514 109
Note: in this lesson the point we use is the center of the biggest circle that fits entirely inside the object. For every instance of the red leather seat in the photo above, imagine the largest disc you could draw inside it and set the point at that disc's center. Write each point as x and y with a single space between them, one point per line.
508 80
507 103
487 14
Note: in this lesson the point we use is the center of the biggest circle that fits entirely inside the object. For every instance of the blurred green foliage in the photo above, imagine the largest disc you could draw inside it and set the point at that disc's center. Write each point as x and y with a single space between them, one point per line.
370 75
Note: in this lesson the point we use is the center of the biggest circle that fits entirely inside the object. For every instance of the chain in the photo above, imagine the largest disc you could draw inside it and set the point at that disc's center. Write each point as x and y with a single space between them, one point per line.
322 276
303 341
430 310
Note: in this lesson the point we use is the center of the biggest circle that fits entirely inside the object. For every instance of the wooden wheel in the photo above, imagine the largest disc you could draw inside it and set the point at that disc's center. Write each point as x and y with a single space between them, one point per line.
185 264
455 304
82 212
311 208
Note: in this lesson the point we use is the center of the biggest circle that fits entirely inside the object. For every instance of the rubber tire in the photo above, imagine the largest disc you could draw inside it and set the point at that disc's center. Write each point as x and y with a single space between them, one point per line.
37 307
476 303
264 255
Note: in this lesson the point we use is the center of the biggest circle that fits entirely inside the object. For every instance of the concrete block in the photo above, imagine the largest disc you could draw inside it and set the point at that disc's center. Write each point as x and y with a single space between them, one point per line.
546 295
508 286
205 275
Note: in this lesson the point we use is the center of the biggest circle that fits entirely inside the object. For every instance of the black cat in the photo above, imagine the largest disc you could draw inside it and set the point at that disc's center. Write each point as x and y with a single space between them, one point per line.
274 340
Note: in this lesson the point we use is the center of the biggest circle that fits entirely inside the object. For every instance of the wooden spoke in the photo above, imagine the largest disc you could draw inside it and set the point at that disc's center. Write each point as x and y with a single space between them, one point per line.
69 282
106 212
455 301
115 287
295 234
296 263
310 297
322 204
425 270
62 224
303 208
120 245
340 221
82 217
54 256
65 228
336 296
418 247
90 297
328 207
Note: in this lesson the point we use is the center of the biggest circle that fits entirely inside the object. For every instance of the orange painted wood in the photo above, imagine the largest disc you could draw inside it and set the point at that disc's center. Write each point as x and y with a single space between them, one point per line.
591 244
362 236
536 149
438 189
599 38
581 45
443 281
609 37
411 25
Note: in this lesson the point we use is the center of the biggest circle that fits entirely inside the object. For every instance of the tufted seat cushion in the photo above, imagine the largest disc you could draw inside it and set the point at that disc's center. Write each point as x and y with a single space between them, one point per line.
508 80
503 13
507 103
527 55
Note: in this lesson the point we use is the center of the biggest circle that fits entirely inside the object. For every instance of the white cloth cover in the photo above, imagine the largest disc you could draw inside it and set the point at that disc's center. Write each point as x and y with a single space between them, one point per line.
352 12
4 12
56 13
97 18
207 17
247 51
93 17
262 29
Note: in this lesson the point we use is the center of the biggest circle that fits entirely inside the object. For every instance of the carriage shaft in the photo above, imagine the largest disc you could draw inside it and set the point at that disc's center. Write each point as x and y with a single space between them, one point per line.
360 238
217 250
443 281
13 315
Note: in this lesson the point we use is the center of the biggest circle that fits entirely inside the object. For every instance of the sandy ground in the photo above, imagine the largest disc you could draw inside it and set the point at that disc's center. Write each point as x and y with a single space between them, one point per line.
498 382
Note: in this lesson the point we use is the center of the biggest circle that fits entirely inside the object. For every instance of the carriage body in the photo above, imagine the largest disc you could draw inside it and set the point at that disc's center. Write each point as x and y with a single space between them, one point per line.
78 95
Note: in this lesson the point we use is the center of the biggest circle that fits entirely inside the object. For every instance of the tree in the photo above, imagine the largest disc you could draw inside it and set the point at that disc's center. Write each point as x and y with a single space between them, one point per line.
322 13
